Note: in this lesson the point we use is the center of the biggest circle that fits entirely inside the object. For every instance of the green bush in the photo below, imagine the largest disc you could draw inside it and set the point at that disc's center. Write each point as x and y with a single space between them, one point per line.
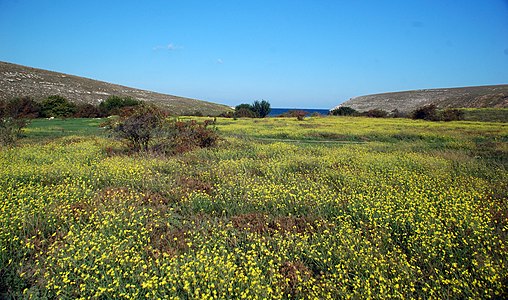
114 104
243 112
427 112
261 108
375 113
452 114
431 113
258 109
58 107
344 111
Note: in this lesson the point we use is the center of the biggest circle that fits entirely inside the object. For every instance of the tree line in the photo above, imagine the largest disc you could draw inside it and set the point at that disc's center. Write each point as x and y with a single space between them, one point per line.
59 107
427 112
15 113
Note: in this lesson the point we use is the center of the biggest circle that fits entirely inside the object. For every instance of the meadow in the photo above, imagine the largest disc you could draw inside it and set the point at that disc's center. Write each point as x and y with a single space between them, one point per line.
324 208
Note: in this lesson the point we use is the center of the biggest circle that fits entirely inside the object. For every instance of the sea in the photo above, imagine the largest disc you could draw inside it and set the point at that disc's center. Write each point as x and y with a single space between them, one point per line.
279 111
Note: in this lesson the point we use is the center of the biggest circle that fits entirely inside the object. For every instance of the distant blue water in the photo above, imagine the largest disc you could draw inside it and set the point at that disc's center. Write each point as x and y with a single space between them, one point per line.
278 111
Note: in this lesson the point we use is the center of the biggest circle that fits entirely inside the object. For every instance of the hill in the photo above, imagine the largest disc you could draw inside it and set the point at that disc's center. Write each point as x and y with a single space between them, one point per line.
494 96
17 81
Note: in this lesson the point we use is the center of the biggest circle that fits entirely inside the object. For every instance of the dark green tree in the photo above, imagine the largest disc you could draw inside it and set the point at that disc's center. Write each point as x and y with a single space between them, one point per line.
244 110
243 106
57 106
261 108
427 112
344 111
258 109
114 104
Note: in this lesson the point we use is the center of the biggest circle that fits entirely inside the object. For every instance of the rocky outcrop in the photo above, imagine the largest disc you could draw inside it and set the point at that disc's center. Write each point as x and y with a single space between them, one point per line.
407 101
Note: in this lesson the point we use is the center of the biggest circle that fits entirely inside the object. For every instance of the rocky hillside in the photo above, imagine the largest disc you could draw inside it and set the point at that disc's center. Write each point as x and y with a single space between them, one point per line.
17 81
494 96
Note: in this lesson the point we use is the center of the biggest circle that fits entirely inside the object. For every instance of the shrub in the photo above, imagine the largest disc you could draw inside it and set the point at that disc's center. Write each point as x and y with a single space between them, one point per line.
397 114
344 111
196 113
20 108
375 113
227 114
298 114
114 104
259 109
427 112
57 106
87 111
244 113
10 130
147 129
262 109
139 128
179 137
452 115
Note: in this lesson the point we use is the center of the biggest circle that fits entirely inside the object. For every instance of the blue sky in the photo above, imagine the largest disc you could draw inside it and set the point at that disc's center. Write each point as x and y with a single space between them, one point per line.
302 54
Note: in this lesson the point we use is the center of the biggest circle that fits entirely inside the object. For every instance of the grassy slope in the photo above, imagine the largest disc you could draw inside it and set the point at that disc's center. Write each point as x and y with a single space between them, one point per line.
417 210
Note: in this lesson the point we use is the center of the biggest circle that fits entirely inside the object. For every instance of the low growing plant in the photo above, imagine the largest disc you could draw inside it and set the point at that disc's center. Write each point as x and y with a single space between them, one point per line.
10 130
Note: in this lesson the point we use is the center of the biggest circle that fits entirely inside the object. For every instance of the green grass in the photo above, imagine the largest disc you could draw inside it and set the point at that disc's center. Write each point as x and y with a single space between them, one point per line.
55 128
326 208
486 114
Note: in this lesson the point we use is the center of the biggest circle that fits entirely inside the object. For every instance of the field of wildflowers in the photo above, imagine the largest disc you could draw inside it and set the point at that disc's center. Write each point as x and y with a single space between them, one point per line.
324 208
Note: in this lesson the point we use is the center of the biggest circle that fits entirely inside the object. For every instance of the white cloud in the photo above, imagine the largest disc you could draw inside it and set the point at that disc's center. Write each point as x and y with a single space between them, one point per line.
220 61
169 47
